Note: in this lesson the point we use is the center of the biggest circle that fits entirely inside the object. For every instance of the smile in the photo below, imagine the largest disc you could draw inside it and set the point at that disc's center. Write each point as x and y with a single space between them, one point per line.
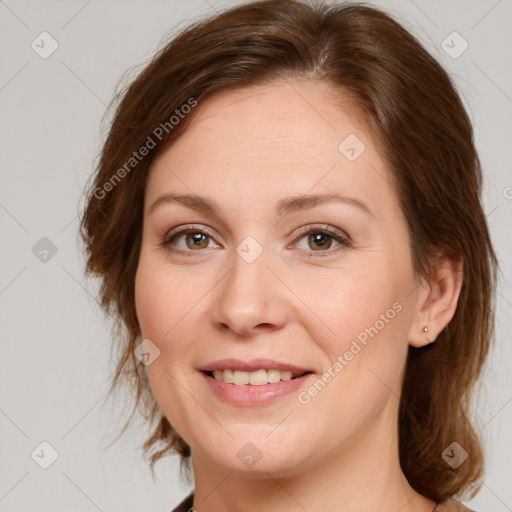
255 378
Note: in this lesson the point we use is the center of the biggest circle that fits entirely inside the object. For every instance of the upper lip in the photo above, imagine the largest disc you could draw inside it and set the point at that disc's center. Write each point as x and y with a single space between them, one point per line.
252 365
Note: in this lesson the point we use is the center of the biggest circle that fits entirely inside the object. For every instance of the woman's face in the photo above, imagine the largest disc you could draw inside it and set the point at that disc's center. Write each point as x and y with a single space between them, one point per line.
252 267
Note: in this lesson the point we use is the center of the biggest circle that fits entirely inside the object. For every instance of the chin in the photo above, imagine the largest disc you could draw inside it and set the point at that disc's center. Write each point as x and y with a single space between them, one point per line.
250 451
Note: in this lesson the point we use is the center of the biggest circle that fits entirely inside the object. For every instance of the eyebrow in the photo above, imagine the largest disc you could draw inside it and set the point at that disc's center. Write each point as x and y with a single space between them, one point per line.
284 206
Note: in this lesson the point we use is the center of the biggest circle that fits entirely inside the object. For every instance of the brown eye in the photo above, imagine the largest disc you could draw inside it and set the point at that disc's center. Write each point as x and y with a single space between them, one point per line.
322 240
187 241
319 241
196 240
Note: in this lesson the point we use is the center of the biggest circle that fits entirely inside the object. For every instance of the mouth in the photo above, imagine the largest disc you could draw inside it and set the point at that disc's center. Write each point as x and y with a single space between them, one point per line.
254 378
253 383
253 372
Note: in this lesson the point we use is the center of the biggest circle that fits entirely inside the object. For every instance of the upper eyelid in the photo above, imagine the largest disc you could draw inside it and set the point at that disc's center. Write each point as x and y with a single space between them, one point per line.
322 227
181 230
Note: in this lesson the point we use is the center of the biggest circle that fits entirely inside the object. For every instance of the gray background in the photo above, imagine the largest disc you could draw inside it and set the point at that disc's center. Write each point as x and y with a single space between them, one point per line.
54 367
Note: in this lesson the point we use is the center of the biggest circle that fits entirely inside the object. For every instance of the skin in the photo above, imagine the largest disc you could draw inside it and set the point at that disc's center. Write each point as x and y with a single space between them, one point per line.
301 301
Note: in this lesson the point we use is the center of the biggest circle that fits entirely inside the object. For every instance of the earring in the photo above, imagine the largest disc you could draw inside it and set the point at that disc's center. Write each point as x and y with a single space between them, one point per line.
425 330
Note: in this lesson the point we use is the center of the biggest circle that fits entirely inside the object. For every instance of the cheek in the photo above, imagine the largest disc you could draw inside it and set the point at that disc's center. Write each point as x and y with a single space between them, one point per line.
161 298
151 302
363 356
162 316
353 300
168 303
361 325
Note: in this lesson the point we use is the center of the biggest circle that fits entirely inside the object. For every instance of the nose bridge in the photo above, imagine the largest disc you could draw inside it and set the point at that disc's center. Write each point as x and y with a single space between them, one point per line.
250 296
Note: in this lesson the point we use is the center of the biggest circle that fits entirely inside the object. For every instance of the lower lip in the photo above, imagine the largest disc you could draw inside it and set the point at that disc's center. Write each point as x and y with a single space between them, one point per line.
247 394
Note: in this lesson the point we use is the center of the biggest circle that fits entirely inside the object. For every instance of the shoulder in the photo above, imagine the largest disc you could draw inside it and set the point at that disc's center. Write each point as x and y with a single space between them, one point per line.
185 505
452 506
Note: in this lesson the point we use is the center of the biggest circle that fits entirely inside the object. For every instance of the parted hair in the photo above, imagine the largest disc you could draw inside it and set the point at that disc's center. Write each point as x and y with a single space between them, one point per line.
421 127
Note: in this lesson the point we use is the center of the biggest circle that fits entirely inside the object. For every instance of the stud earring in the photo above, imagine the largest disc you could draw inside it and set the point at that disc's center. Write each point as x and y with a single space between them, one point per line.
425 329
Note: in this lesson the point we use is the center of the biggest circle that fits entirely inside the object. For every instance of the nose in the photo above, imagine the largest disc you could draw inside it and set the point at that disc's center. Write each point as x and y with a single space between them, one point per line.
250 299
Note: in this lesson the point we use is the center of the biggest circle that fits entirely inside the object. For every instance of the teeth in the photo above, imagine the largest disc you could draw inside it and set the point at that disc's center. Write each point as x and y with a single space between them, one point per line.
228 375
256 378
273 375
241 378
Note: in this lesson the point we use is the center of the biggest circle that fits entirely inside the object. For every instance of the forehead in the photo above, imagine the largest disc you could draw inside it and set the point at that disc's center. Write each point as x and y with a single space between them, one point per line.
270 115
289 135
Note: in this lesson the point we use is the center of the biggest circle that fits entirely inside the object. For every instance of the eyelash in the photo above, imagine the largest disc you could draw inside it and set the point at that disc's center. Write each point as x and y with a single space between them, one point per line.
344 241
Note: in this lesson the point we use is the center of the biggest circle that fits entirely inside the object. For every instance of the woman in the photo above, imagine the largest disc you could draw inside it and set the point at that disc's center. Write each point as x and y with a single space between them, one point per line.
286 219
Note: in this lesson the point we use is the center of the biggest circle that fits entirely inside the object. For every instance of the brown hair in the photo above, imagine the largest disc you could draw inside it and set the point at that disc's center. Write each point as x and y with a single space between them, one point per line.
426 137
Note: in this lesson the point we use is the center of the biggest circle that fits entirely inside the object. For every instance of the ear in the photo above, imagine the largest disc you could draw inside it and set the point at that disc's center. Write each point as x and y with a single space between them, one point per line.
437 301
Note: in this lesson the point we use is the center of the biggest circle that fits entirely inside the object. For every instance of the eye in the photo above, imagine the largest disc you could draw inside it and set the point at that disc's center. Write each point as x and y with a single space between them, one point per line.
320 239
186 240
